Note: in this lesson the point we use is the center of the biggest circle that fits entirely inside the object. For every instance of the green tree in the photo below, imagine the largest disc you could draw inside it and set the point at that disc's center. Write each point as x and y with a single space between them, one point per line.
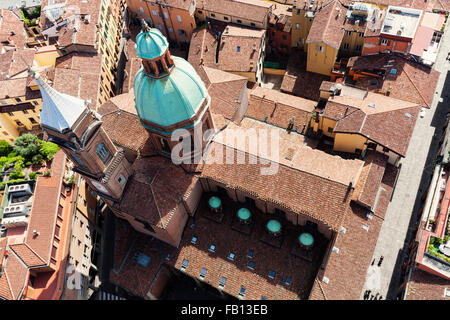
48 150
5 148
27 145
37 159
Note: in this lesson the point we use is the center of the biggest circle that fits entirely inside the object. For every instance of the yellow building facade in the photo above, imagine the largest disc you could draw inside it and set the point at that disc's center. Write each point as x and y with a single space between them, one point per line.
321 58
352 43
301 24
110 33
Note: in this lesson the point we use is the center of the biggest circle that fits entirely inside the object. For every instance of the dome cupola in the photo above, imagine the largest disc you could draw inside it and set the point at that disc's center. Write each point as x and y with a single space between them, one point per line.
169 94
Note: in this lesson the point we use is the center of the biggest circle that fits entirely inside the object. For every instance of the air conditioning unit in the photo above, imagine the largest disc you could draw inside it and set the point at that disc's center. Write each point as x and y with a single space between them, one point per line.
24 188
13 222
15 210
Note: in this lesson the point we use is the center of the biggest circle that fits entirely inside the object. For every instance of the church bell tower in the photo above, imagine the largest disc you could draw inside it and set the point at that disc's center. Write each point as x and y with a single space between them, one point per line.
69 123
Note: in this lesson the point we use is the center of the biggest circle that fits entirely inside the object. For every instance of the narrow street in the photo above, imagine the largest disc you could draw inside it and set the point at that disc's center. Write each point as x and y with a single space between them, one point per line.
415 175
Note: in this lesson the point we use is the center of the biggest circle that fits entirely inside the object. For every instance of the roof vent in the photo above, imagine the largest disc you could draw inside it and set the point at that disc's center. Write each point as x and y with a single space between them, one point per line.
325 279
336 250
342 230
408 115
365 227
369 216
372 105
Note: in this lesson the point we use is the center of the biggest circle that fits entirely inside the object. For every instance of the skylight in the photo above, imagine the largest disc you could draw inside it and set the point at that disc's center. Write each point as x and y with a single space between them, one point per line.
251 265
288 281
212 248
194 240
184 264
203 273
250 254
222 282
231 256
271 274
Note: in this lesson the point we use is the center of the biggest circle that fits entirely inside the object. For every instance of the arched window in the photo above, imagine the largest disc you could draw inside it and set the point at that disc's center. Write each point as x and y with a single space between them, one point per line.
103 153
165 146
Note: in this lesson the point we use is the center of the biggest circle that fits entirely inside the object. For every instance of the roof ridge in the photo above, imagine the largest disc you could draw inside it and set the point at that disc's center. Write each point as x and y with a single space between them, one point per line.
5 273
26 245
284 165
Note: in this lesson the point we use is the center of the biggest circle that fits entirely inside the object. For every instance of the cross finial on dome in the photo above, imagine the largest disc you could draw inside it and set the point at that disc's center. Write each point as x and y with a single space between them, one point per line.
145 27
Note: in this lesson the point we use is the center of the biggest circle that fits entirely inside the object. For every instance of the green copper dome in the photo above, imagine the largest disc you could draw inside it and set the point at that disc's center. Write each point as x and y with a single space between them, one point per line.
151 44
171 99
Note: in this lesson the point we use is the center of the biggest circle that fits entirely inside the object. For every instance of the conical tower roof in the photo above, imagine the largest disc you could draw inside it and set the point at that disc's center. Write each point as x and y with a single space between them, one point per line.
59 111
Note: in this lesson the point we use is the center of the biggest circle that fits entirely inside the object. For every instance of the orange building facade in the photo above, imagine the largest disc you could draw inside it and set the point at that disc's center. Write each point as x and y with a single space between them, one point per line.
175 19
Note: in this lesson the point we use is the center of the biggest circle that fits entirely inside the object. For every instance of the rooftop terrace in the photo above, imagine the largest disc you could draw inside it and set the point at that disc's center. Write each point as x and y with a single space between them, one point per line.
401 22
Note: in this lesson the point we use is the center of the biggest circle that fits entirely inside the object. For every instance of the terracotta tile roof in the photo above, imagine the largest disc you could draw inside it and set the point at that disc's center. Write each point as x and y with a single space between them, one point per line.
279 108
336 111
13 87
397 119
44 209
14 63
27 255
427 5
249 10
412 82
121 122
246 58
347 270
328 25
154 178
85 33
292 151
78 74
426 286
282 187
237 273
367 188
203 48
126 272
12 281
226 91
298 81
130 275
12 32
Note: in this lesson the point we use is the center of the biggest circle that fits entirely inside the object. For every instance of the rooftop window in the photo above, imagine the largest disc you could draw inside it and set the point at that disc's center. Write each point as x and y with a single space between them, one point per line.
271 274
288 281
203 273
251 265
242 291
231 256
250 254
238 49
212 248
263 298
194 240
222 282
184 264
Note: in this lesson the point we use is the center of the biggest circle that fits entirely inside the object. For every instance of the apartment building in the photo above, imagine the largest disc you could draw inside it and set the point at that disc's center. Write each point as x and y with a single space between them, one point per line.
235 49
20 99
426 271
84 238
350 116
35 230
250 13
303 13
174 18
88 27
280 29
